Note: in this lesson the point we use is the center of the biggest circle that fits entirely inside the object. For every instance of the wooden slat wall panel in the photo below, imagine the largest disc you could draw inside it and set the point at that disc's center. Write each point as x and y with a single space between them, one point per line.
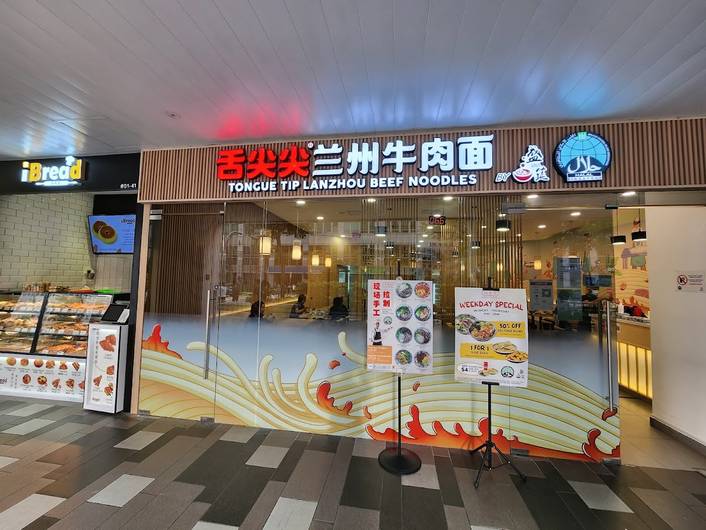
646 155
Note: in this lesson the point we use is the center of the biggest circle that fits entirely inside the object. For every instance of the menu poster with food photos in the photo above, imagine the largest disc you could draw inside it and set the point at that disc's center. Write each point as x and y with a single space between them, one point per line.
491 336
32 376
104 352
400 326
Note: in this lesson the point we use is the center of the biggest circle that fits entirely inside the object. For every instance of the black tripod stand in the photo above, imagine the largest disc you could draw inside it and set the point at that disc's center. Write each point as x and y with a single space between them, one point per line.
489 445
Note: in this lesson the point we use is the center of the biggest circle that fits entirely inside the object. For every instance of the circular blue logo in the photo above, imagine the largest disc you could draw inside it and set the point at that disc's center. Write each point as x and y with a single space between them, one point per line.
582 156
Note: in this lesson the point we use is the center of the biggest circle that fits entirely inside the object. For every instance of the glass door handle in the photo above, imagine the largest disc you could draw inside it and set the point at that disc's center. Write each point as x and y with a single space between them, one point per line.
206 356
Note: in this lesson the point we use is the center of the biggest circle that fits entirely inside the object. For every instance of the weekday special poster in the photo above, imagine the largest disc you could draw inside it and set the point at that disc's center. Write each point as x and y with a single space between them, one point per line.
400 326
491 336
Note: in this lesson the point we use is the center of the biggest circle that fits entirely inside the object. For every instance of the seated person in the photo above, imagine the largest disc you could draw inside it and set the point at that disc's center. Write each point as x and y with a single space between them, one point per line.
338 309
299 307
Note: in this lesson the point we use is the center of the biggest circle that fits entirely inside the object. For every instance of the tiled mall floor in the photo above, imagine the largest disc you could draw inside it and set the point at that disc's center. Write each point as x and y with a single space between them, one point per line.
61 467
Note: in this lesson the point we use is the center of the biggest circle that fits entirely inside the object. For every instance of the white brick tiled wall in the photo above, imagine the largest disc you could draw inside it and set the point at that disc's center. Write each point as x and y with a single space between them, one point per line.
44 238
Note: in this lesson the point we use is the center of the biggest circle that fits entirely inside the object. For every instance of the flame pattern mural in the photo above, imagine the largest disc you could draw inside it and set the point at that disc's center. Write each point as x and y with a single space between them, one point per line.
553 417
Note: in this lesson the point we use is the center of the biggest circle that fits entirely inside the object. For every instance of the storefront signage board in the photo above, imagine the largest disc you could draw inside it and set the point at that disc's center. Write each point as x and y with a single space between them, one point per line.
400 326
491 336
109 173
690 281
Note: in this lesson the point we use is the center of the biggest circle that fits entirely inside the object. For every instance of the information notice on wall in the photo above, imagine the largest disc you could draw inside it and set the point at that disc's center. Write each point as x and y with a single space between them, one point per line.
400 326
491 336
41 377
101 373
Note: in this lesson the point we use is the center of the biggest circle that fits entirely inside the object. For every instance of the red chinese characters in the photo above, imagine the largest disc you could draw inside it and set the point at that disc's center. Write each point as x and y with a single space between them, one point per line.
376 299
263 162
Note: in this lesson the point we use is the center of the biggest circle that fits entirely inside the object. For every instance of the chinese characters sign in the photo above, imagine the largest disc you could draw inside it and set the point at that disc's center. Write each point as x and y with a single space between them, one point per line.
491 336
400 326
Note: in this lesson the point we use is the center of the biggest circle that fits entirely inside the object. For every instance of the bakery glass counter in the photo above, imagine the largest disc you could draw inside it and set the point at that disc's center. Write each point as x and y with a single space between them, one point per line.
19 317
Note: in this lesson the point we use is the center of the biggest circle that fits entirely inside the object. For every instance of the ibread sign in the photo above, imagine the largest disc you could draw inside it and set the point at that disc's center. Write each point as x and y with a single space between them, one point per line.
71 173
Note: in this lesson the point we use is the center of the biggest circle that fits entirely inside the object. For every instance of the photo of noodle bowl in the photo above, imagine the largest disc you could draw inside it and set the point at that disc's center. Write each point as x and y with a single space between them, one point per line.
483 331
422 290
518 357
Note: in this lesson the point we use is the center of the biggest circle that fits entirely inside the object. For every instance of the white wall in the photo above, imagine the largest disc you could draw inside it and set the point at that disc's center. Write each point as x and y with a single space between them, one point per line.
677 238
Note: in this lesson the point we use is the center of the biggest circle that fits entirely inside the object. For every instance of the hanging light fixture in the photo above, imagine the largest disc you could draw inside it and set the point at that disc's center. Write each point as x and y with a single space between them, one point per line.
314 260
503 225
454 253
618 240
639 234
265 243
475 244
327 262
538 264
296 242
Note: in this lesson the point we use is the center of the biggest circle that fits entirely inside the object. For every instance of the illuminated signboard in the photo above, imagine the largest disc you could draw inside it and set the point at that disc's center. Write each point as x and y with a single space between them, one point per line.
582 157
71 173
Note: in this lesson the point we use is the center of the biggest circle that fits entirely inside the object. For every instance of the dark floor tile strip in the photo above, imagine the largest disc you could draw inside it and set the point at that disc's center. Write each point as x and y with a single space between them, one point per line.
391 502
139 456
585 517
290 461
422 509
323 442
215 468
42 523
238 497
363 486
333 488
447 482
621 483
544 503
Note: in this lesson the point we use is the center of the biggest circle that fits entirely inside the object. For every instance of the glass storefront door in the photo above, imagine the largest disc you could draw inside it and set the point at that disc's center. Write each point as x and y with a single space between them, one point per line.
178 376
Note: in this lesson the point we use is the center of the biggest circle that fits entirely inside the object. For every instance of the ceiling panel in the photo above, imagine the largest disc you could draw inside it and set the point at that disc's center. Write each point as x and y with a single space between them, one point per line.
102 76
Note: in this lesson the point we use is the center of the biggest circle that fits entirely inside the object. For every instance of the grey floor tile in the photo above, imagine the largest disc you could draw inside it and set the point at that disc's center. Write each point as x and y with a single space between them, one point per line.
426 477
424 452
86 516
20 489
320 525
123 515
280 438
599 496
173 452
190 516
333 488
119 492
138 441
350 518
166 507
363 485
205 525
367 448
578 471
267 456
683 484
456 518
6 461
29 410
670 509
28 426
308 478
440 451
260 511
26 511
291 514
238 433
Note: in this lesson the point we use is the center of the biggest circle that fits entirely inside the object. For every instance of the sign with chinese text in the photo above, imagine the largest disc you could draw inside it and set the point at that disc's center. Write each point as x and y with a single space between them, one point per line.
491 336
400 326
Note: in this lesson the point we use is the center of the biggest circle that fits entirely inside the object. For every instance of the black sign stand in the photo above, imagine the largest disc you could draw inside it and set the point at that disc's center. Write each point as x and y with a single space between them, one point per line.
489 445
398 460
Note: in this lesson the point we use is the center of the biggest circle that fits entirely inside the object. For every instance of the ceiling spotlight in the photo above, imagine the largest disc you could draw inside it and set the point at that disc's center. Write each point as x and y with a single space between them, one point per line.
371 199
425 235
436 215
421 241
618 240
319 217
483 226
541 227
343 236
628 193
518 235
502 214
419 246
430 227
575 214
448 198
532 196
502 225
501 241
301 202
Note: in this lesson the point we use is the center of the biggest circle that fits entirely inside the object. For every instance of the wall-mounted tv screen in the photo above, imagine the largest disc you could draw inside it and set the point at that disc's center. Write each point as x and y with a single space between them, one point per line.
112 234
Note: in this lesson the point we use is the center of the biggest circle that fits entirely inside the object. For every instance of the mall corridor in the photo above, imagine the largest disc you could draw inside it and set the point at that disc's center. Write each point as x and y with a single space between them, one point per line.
65 468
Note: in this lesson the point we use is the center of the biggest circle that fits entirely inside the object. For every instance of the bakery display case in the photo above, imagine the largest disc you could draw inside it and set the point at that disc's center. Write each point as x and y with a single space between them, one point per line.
19 316
64 328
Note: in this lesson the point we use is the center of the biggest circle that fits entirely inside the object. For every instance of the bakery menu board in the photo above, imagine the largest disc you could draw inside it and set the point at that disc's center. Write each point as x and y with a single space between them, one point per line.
42 378
101 373
400 326
491 336
112 234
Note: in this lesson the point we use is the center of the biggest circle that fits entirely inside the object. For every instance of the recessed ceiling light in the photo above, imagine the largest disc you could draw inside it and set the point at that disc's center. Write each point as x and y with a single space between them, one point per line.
301 202
343 236
430 227
419 246
628 193
371 199
532 196
380 234
518 235
575 214
425 235
448 198
319 217
436 215
483 226
469 235
541 227
421 241
501 214
502 241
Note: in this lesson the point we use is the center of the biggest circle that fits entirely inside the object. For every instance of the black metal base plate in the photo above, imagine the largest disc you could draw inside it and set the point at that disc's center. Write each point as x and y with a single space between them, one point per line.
404 463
